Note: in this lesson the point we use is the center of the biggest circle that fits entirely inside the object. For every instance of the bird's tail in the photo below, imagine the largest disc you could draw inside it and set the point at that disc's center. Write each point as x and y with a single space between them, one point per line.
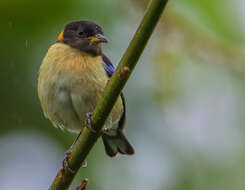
117 143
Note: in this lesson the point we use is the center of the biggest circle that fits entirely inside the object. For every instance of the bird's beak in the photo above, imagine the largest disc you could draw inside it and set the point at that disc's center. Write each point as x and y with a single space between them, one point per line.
61 37
98 38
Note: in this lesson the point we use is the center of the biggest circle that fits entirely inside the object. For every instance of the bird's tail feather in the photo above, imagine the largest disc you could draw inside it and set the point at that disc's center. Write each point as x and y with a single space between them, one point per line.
117 143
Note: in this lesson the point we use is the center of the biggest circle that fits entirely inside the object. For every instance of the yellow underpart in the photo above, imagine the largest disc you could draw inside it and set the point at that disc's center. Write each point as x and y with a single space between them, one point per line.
79 74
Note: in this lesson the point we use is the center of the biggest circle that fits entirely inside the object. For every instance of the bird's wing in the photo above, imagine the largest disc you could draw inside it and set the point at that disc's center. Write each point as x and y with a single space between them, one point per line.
110 69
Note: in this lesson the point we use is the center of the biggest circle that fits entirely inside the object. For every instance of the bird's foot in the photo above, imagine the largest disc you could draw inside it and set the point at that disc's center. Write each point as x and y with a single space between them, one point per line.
88 122
66 163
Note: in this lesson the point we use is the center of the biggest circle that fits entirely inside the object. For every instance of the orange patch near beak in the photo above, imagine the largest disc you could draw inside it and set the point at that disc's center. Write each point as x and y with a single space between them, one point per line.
61 36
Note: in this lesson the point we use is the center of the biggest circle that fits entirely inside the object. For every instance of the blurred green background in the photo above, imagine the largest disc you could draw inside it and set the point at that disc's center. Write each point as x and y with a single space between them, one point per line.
185 101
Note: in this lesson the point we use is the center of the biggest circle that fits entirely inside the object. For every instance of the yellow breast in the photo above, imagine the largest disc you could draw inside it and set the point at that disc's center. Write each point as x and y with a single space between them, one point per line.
70 75
62 57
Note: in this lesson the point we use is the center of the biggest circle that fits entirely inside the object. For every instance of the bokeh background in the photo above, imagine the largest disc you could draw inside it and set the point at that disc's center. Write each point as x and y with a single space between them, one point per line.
185 100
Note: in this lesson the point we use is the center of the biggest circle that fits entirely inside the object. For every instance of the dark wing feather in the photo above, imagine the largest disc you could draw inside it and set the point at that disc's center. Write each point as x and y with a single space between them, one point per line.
121 123
109 69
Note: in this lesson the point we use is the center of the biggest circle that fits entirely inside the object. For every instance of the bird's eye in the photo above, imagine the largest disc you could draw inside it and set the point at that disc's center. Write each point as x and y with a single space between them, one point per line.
80 33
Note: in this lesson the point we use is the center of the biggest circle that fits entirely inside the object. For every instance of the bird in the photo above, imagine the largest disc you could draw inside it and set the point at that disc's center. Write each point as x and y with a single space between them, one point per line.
71 81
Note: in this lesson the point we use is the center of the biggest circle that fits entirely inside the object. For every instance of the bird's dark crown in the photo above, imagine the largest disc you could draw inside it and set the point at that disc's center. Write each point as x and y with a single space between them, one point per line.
83 35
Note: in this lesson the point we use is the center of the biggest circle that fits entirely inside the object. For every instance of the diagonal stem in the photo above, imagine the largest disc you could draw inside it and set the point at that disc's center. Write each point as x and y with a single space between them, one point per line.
112 91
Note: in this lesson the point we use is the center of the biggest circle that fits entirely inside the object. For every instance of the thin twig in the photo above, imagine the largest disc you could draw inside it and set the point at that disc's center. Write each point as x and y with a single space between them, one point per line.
113 89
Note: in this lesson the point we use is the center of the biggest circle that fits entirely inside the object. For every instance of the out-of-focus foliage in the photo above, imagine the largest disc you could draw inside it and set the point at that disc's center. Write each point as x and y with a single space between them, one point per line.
185 100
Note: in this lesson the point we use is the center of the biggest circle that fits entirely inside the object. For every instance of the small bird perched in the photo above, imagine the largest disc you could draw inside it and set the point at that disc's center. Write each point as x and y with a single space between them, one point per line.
71 81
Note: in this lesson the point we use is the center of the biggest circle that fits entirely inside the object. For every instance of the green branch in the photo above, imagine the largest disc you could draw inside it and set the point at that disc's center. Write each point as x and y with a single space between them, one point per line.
129 60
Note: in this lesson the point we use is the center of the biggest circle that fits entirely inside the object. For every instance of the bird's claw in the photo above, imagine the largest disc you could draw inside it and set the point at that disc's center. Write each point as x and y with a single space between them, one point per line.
88 122
65 162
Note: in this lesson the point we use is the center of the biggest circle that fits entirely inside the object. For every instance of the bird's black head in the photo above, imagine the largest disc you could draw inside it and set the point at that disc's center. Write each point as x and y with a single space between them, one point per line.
83 35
